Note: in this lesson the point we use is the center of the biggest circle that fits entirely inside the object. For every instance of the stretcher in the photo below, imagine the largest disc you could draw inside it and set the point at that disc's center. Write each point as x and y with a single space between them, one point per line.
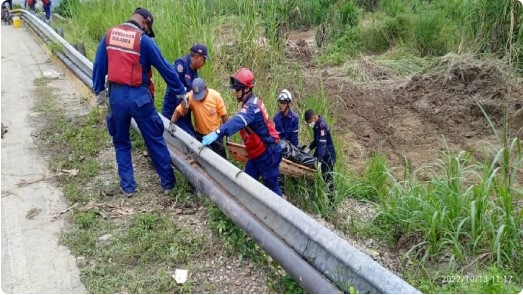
238 153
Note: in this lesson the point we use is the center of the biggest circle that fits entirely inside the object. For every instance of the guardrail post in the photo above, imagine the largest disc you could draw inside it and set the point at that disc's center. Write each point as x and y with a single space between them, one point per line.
81 48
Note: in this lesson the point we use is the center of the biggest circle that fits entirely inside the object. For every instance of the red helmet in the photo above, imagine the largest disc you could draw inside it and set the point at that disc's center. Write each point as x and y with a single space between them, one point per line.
243 78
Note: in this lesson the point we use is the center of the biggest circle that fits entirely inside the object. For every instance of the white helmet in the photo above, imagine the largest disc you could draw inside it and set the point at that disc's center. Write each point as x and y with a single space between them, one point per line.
285 95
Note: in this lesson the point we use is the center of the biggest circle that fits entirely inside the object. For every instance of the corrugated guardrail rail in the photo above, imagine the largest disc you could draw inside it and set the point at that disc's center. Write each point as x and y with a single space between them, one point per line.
320 260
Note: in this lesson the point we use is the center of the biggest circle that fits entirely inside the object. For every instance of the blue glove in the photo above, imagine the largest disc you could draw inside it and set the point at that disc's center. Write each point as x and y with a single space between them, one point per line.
210 138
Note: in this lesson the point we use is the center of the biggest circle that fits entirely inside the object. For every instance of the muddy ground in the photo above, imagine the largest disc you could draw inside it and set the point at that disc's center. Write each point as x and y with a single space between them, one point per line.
411 117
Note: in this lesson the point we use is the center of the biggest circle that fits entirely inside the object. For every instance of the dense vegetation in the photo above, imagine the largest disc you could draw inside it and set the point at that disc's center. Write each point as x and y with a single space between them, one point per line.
467 213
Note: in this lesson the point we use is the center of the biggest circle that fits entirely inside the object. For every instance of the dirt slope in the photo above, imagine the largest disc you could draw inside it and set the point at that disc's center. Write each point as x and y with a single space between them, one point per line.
412 117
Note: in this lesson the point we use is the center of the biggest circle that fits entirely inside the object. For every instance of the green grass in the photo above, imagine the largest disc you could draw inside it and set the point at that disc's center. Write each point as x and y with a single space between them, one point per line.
233 237
75 142
464 211
433 28
139 258
238 243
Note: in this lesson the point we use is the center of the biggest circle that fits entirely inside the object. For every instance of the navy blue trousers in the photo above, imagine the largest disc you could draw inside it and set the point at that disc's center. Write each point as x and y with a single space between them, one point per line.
136 102
267 165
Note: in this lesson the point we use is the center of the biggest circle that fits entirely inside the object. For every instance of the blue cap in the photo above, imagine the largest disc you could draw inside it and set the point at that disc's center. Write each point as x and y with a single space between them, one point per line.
198 89
200 49
147 16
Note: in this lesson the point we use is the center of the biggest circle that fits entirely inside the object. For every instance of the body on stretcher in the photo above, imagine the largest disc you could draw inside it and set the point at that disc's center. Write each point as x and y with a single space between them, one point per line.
287 167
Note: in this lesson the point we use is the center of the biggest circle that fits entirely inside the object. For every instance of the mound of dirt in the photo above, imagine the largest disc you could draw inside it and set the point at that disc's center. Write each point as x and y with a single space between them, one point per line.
454 90
299 50
418 117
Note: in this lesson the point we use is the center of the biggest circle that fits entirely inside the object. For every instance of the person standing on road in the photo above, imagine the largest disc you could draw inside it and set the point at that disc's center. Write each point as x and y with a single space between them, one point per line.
322 142
208 110
125 54
257 131
187 68
46 5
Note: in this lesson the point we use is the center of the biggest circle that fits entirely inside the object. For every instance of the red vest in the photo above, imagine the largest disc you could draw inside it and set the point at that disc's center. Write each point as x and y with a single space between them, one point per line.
151 83
45 2
123 54
253 142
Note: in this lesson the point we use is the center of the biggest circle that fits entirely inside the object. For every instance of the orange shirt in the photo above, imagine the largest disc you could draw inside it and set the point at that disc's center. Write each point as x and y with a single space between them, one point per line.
207 113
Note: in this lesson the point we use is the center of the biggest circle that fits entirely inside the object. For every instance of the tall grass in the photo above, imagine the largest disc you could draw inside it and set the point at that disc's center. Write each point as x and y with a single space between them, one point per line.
436 28
466 209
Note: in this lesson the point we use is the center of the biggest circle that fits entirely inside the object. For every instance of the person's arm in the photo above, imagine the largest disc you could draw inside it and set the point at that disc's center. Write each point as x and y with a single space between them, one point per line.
225 118
312 145
151 50
237 122
176 115
182 109
179 68
243 118
322 140
100 68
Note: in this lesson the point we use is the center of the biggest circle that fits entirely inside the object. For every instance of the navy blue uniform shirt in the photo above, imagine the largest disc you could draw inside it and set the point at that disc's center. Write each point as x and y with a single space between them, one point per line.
323 142
186 75
182 66
250 115
287 126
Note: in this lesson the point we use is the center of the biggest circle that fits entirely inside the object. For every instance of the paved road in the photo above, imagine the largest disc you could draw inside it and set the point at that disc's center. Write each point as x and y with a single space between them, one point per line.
32 259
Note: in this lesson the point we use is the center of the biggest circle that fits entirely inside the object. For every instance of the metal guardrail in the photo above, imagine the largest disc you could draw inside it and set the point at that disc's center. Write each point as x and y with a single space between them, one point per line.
78 63
326 252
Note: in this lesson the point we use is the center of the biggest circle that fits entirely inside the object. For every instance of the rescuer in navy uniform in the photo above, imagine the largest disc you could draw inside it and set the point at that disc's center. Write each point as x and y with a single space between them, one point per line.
125 54
187 68
322 142
257 131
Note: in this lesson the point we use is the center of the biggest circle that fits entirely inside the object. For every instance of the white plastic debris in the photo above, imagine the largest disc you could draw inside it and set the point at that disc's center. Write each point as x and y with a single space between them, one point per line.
180 276
50 74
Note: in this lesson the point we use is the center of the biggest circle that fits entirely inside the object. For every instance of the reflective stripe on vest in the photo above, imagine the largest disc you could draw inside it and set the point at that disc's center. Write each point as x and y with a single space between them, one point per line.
123 54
